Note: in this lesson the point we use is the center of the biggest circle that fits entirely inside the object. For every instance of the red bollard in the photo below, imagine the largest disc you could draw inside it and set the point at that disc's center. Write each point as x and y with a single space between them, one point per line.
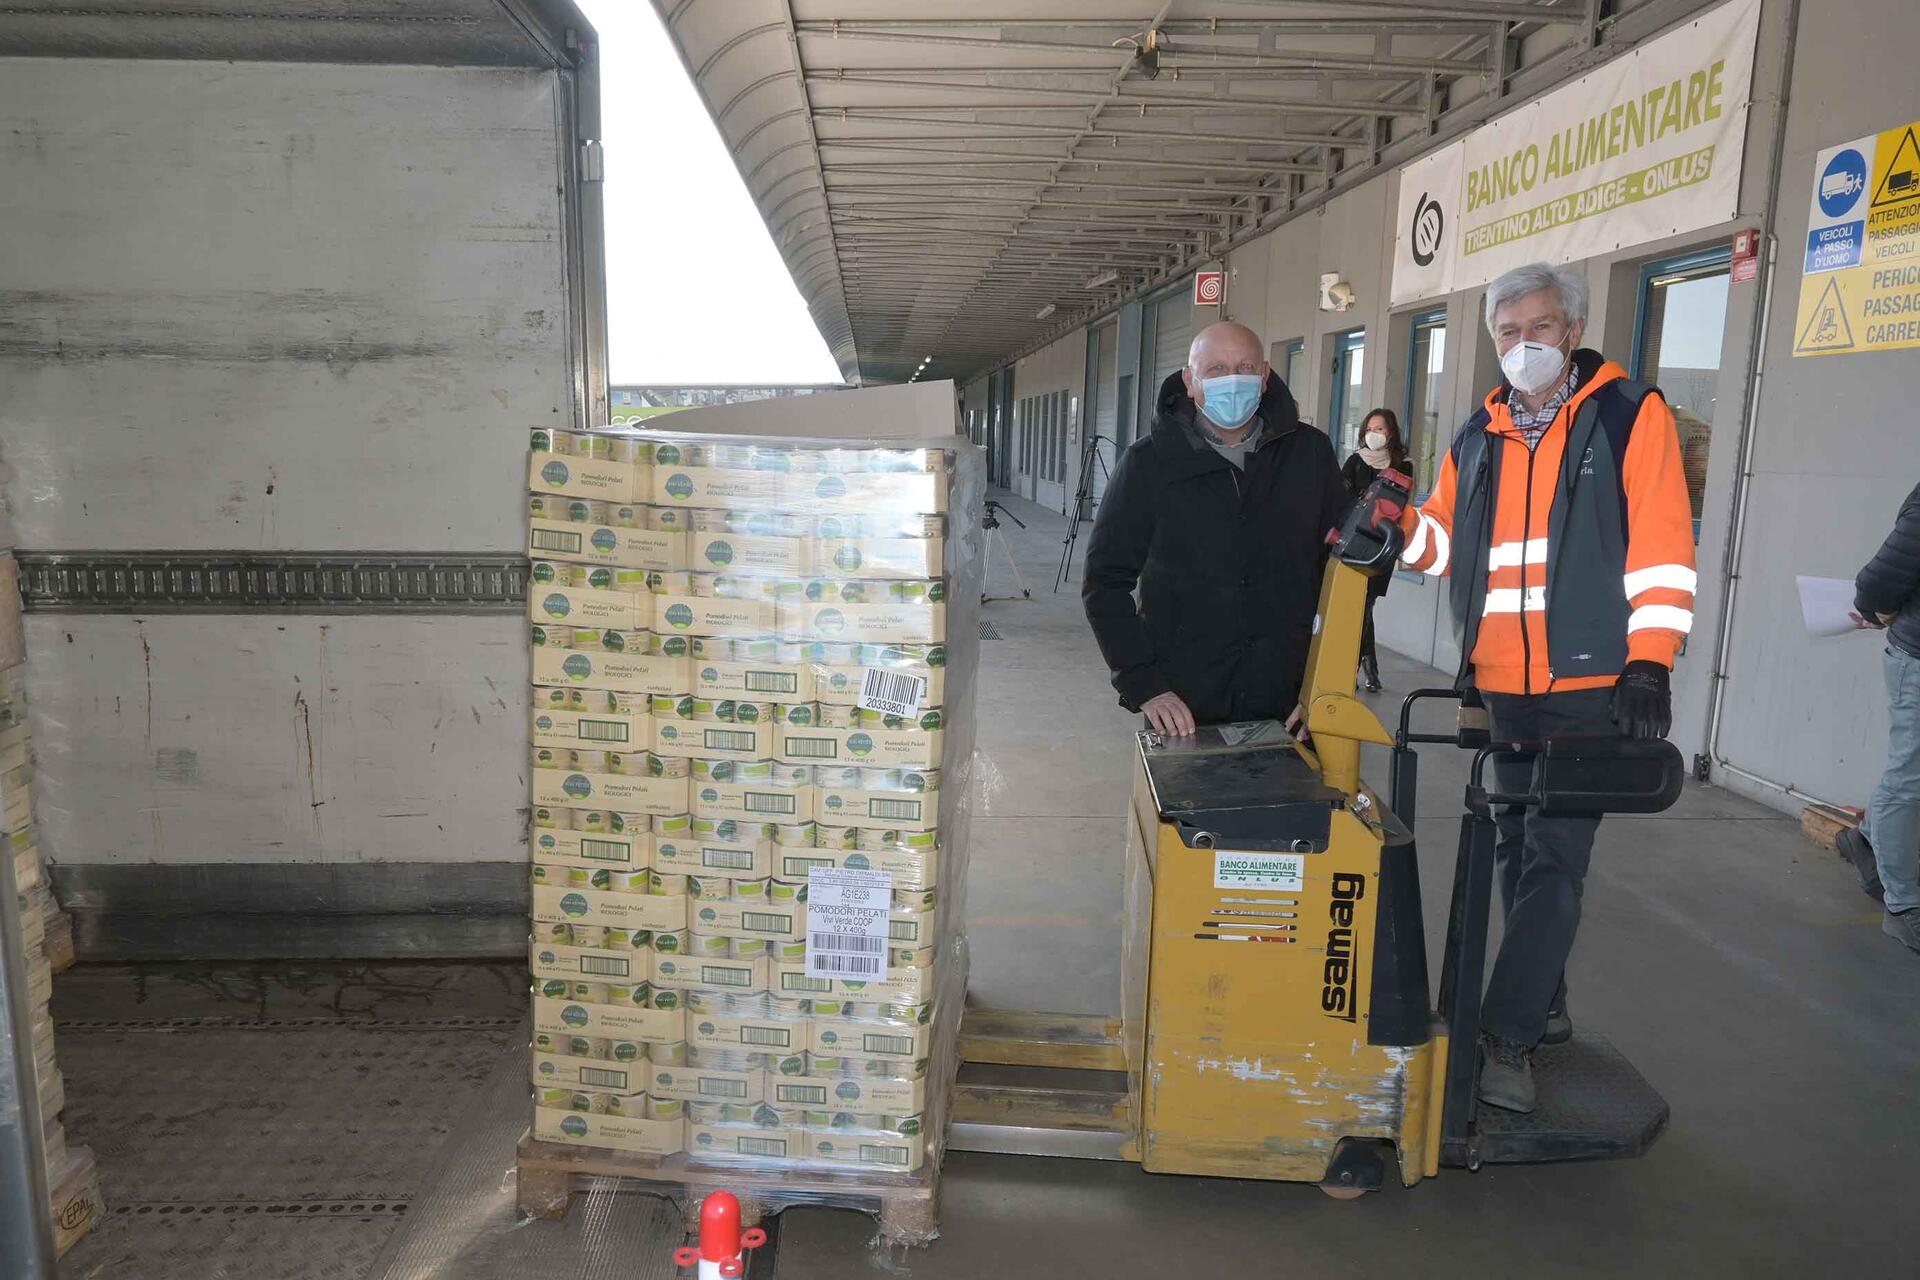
720 1252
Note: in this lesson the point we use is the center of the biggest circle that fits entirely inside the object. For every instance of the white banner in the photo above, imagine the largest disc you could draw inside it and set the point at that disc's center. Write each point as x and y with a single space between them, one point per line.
1645 147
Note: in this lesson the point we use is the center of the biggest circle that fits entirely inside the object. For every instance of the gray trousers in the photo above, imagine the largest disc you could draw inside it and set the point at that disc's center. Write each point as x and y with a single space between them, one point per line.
1542 864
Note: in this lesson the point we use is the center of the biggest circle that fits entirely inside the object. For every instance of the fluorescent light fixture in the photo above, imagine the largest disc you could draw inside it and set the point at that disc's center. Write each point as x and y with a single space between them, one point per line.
1104 278
1044 312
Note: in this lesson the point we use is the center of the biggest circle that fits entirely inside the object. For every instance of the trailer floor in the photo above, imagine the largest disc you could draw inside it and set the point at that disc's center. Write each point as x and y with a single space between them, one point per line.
1738 967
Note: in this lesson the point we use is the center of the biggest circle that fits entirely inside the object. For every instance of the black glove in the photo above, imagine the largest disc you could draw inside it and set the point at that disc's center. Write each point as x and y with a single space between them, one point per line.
1643 701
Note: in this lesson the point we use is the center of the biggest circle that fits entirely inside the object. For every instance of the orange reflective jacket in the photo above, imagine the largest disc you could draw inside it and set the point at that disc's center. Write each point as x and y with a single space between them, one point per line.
1565 566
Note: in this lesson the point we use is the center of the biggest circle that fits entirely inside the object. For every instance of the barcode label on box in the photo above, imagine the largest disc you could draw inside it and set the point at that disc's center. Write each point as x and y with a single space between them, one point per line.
904 930
891 692
762 802
778 1037
771 682
711 1088
606 850
730 740
605 731
812 748
723 859
901 810
720 975
555 540
603 1077
847 922
796 866
765 922
875 1042
761 1146
801 982
804 1094
606 966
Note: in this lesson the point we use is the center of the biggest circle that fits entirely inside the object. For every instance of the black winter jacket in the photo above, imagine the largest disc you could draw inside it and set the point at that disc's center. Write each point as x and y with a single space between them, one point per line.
1891 581
1227 563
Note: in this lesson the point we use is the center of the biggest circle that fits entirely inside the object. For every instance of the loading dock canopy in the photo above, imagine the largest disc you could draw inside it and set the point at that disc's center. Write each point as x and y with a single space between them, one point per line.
937 176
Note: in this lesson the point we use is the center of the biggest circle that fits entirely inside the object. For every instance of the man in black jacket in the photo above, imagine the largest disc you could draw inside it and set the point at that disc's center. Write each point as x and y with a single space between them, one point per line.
1886 848
1219 516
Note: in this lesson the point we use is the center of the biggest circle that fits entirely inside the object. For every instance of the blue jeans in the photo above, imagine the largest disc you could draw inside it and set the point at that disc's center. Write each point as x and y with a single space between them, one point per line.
1893 816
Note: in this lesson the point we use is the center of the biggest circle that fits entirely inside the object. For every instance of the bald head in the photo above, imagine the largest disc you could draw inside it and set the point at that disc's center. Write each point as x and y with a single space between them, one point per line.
1225 348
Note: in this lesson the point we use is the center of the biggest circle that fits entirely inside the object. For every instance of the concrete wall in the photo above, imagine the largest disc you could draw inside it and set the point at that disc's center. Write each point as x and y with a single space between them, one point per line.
1059 366
278 307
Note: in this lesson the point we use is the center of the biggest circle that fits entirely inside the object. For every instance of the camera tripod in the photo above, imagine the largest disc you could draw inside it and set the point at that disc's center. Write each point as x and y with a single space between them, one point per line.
991 523
1090 457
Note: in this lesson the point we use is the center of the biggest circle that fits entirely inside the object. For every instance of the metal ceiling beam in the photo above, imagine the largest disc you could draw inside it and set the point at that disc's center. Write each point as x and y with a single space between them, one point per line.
1398 25
1300 106
974 183
1101 129
1183 58
1507 9
1016 157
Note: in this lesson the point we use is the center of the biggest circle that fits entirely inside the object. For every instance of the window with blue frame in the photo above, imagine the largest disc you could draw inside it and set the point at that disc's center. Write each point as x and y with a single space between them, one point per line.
1293 367
1426 435
1677 333
1349 384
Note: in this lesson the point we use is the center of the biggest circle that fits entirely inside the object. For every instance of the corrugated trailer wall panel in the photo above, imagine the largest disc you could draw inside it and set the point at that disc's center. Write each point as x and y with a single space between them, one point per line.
294 307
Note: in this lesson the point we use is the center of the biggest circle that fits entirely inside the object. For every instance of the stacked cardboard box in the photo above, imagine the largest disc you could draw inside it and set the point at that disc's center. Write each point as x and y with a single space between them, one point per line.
751 739
69 1170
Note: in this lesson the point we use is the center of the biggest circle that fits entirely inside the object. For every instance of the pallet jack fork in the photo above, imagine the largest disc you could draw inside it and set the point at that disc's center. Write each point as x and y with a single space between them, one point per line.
1311 1057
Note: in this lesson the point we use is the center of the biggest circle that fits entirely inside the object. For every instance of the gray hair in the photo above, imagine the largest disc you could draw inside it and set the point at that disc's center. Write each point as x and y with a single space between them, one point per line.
1570 286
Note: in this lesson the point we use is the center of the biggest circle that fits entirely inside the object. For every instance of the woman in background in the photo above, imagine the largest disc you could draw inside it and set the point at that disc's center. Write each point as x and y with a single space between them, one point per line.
1380 450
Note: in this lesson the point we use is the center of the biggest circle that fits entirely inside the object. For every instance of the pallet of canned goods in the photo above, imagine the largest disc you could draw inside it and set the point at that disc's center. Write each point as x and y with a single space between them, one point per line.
751 749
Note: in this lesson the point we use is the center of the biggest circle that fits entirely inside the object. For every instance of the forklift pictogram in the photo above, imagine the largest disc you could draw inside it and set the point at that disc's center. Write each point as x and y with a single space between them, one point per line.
1827 328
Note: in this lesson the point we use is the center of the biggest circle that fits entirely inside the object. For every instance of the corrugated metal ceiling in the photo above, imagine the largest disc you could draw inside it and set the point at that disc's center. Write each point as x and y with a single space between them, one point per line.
937 173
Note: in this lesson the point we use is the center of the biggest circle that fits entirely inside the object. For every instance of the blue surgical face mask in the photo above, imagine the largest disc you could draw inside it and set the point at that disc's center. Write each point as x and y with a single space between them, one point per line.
1230 399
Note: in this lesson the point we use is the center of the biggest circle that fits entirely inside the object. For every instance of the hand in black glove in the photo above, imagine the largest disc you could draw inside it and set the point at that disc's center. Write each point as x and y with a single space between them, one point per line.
1643 701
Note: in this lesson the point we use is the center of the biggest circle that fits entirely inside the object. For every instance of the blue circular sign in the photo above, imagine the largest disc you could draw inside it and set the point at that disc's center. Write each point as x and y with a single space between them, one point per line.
1840 186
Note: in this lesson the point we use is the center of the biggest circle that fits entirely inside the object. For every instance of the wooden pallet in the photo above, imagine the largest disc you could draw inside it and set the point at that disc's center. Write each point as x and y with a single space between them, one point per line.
77 1206
1822 823
904 1202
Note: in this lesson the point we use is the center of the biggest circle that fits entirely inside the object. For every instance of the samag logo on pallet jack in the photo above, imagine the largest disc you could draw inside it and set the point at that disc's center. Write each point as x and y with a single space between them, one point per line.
1339 976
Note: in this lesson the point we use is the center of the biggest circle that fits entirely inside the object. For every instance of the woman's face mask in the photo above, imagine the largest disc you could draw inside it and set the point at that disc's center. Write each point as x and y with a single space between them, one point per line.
1376 439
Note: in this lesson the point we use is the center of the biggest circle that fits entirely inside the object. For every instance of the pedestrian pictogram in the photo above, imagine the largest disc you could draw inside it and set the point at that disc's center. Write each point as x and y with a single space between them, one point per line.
1826 328
1899 182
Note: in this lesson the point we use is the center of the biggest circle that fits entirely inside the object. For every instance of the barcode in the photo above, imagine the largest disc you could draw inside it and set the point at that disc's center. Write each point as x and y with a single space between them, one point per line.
850 942
605 966
801 982
761 802
726 859
876 1154
813 748
891 692
771 682
855 966
795 868
603 1076
555 540
801 1093
765 922
729 740
606 850
908 810
761 1146
903 930
605 731
711 1088
875 1042
724 976
777 1036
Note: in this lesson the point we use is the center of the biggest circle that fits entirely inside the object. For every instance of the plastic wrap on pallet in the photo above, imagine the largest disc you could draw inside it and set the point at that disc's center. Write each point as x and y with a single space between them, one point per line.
753 658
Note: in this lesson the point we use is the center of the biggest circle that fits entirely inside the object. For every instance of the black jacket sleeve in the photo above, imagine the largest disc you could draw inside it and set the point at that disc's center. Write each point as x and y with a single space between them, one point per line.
1122 535
1892 578
1351 473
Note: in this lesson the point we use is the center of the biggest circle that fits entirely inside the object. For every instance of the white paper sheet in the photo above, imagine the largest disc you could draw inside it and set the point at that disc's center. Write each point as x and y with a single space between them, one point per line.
1826 606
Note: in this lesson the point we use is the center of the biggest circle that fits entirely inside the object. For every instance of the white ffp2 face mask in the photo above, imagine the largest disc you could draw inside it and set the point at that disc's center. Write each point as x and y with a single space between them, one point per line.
1532 367
1376 439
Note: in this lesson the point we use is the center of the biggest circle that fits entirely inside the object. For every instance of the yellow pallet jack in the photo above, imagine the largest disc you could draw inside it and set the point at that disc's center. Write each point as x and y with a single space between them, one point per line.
1277 1015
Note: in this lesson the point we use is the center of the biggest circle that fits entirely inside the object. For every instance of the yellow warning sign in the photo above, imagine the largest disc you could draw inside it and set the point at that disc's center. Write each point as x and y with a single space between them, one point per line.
1873 305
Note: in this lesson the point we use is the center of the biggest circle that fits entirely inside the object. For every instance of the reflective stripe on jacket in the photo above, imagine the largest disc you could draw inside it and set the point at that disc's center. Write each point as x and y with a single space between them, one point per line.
1573 558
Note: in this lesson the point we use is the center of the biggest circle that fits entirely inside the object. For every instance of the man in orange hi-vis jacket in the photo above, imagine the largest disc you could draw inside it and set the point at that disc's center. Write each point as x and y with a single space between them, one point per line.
1561 517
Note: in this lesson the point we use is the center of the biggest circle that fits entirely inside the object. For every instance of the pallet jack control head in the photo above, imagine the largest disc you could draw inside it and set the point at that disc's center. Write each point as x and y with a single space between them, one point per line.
1370 538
